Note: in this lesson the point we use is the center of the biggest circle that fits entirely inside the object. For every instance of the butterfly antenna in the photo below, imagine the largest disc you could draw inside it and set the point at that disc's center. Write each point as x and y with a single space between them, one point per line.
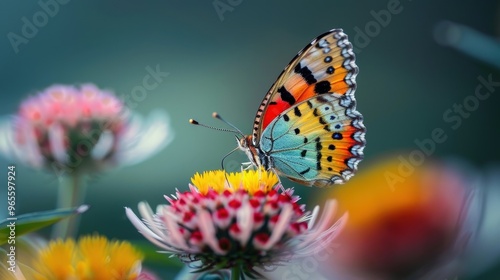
191 121
217 116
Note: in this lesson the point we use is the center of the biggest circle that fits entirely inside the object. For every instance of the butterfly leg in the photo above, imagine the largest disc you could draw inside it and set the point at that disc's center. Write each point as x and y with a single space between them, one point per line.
279 180
246 165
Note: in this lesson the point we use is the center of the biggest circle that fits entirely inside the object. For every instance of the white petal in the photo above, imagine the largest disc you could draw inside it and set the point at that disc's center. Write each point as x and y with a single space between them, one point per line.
56 140
321 235
281 226
144 139
147 214
483 250
103 146
30 151
208 231
244 217
136 268
6 138
314 216
138 223
172 227
313 244
324 221
146 232
27 153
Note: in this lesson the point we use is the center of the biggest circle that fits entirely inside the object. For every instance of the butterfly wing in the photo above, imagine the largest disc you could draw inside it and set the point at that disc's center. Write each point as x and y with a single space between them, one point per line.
317 142
326 65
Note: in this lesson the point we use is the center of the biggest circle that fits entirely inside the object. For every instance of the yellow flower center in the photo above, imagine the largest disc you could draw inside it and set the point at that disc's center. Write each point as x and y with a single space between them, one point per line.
249 180
94 257
380 191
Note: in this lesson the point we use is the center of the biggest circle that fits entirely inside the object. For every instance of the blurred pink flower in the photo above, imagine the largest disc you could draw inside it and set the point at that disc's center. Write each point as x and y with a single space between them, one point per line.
83 129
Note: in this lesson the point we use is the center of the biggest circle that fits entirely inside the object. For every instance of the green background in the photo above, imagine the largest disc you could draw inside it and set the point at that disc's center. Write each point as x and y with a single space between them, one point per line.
226 64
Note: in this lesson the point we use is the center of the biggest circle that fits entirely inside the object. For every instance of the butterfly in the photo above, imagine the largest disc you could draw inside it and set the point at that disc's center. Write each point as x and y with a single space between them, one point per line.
307 127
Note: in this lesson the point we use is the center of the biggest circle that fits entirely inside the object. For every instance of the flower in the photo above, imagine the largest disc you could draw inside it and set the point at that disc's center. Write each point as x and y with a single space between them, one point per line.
405 221
244 220
92 257
66 128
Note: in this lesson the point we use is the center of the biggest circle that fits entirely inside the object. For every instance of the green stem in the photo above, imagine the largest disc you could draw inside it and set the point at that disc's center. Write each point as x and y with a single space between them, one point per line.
235 272
71 194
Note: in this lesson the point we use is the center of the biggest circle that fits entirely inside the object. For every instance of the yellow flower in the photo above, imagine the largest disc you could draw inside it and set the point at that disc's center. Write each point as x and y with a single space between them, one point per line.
249 180
94 257
56 260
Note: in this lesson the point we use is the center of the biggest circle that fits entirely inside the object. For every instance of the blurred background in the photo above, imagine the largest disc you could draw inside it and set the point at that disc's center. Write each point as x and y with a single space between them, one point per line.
223 56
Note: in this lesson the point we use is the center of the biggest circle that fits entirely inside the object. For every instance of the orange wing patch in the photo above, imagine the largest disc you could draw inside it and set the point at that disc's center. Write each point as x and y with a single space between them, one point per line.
325 66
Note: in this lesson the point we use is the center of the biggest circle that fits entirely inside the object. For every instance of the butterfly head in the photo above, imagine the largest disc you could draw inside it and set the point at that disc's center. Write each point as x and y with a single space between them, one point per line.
253 153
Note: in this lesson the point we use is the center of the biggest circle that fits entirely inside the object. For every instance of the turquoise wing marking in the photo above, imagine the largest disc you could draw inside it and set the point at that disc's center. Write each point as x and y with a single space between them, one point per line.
317 142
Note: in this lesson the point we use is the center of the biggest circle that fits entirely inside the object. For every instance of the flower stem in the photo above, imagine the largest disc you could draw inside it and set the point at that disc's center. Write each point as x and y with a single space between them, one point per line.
71 194
235 272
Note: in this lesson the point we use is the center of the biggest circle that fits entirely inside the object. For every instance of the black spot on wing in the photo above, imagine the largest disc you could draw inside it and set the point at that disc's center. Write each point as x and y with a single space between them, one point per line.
315 112
297 68
305 171
306 74
321 99
337 136
322 87
318 144
286 95
297 112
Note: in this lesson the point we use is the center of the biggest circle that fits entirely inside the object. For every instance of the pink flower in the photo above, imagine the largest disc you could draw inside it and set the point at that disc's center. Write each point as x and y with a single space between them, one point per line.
247 221
66 128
